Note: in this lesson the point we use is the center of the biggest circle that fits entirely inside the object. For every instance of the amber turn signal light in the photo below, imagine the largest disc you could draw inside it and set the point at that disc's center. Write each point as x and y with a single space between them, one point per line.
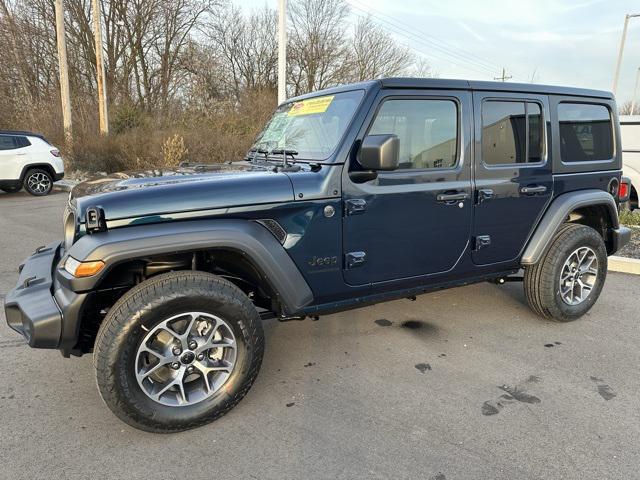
83 269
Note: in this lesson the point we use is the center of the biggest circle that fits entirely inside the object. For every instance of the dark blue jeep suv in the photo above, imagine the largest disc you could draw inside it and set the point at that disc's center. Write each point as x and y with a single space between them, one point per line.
350 196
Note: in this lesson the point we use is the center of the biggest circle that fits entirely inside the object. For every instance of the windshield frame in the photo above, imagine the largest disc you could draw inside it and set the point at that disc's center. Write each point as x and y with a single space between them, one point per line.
252 153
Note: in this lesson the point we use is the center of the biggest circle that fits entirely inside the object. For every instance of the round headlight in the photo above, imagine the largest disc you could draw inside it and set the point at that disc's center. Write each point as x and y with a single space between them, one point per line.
69 228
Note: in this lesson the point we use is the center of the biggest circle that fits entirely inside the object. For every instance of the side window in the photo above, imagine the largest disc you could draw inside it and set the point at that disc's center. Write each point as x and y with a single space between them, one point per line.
8 142
427 129
512 132
23 142
586 132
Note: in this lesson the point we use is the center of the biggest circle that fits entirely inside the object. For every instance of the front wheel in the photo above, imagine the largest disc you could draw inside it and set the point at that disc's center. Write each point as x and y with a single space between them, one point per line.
568 279
178 351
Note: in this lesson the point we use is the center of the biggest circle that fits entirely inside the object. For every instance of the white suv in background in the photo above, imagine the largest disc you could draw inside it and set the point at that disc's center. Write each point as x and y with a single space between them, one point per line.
630 136
28 160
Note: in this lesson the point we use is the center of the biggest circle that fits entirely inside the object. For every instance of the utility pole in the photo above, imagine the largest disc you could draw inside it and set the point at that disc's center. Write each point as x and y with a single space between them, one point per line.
282 51
616 75
635 93
504 77
64 74
100 76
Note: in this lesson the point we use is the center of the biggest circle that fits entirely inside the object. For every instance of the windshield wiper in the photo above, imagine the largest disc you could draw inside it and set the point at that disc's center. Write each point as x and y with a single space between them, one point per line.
285 152
255 152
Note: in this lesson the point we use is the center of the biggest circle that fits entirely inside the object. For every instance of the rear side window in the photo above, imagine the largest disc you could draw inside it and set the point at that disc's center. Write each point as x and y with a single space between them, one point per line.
586 132
512 133
8 142
427 130
23 142
11 142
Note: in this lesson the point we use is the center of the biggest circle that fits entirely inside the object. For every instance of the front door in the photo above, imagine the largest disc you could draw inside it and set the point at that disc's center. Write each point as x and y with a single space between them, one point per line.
513 178
416 220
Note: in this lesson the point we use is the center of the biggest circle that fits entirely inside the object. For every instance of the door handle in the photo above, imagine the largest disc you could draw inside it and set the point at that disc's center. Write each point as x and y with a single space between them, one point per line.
451 197
533 190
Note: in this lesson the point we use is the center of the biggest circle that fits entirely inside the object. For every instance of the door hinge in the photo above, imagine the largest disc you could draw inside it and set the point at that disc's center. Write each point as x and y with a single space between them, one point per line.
482 241
355 259
94 220
355 206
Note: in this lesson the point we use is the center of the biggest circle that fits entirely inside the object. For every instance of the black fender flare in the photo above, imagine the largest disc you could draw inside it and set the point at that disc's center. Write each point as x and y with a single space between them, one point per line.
246 237
557 214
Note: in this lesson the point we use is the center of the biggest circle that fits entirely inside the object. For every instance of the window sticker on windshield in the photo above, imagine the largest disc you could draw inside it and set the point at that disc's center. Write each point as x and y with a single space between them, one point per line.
313 105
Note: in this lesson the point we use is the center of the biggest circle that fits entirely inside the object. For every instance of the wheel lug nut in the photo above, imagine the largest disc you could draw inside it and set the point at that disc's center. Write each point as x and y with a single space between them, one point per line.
190 369
175 365
177 351
200 356
193 344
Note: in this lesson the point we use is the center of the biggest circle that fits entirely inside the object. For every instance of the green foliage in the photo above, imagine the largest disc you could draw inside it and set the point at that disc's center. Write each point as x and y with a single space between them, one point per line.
628 217
126 117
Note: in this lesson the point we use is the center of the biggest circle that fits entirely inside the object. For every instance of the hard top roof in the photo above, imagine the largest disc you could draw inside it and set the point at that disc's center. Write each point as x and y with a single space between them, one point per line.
451 84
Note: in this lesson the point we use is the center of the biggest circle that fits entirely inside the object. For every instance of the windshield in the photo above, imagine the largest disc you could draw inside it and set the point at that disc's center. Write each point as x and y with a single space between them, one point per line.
311 127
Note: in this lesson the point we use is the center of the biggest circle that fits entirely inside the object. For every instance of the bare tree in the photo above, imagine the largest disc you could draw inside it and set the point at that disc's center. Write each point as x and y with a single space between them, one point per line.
374 53
317 48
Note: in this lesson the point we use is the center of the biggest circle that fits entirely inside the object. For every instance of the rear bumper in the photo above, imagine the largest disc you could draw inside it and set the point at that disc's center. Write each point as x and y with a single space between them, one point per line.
58 176
619 238
38 305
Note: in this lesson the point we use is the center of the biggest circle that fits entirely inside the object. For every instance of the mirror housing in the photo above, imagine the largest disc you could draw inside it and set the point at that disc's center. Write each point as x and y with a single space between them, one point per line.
379 152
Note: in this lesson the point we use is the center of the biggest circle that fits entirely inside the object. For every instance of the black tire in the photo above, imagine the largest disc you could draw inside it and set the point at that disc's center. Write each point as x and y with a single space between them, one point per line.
542 280
145 306
42 187
15 189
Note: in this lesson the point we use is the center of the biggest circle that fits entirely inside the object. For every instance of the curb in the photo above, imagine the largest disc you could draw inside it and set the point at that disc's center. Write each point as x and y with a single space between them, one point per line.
64 185
624 265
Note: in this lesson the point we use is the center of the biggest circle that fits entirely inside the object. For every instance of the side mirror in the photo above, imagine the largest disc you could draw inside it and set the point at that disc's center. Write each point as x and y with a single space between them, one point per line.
379 152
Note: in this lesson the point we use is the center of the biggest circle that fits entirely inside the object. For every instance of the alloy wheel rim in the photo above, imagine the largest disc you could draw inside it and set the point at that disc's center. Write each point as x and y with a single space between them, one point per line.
578 276
186 359
39 182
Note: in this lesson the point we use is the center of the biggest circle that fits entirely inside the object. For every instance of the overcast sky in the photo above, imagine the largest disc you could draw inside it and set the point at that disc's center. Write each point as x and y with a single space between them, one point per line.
564 42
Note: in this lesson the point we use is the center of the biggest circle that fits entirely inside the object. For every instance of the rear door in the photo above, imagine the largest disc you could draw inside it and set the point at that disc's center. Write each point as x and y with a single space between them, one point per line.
416 220
12 156
513 175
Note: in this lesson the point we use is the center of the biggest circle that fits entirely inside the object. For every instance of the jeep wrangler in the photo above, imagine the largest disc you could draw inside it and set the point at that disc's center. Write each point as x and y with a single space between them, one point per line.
350 196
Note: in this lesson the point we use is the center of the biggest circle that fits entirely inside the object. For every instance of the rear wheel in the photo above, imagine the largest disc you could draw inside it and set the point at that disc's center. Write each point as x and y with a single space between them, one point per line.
568 279
38 182
178 351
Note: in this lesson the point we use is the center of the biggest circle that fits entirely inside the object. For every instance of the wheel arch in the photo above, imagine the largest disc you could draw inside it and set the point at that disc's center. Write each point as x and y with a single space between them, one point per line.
593 208
244 247
248 254
43 166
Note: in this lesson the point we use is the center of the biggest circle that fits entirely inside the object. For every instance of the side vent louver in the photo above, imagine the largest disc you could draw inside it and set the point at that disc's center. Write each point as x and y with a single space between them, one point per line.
275 228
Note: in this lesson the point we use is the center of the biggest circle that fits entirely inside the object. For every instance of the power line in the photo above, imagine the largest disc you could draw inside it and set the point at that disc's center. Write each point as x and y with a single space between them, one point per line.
427 40
431 53
436 43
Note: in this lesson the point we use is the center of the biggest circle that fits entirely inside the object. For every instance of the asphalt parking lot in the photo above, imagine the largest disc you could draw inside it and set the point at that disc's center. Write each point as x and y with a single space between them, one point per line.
461 384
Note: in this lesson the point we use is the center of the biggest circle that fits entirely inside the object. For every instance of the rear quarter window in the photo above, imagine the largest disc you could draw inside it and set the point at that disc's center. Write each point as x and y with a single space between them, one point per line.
586 132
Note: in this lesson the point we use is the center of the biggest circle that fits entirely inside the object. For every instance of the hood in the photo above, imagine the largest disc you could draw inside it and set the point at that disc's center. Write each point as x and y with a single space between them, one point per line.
156 192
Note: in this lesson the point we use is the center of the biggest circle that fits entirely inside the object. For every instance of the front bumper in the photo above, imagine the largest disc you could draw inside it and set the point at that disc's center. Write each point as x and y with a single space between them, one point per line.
619 238
38 305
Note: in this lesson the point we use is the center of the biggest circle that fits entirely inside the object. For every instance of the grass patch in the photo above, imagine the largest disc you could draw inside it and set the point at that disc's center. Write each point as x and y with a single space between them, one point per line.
628 217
